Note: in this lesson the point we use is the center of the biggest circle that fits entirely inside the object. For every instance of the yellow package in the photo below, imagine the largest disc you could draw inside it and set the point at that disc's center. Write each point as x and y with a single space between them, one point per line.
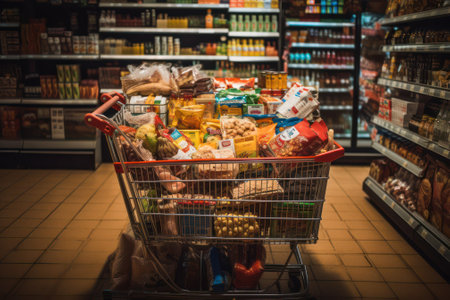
231 109
174 105
194 135
212 144
189 117
245 147
210 130
266 133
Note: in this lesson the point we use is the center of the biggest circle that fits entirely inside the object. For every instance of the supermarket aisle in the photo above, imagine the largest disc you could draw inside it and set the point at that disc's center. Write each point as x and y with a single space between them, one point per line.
57 229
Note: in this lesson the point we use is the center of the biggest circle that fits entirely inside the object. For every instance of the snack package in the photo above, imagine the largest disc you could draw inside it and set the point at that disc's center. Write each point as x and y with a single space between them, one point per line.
300 140
236 224
266 133
298 102
282 124
182 142
230 106
174 104
270 104
220 84
189 117
210 131
261 120
239 83
253 109
246 147
237 128
441 177
194 136
209 101
147 79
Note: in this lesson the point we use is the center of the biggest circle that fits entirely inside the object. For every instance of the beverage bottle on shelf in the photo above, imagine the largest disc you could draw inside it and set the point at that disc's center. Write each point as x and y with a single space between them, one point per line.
274 4
233 23
247 23
274 24
208 19
113 18
302 57
102 20
333 58
244 48
240 23
267 24
260 23
251 49
307 58
314 57
307 83
297 57
238 48
445 129
254 24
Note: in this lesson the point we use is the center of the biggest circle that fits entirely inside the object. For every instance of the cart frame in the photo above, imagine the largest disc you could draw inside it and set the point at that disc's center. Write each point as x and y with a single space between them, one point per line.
134 177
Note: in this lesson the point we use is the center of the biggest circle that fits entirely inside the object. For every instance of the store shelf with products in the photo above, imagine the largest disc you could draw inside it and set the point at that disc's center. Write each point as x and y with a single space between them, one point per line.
59 144
247 34
253 10
320 66
323 45
420 16
9 25
412 136
107 90
336 107
163 5
9 57
403 162
334 90
60 57
161 57
420 232
11 144
318 24
164 30
72 102
10 101
435 48
416 88
253 58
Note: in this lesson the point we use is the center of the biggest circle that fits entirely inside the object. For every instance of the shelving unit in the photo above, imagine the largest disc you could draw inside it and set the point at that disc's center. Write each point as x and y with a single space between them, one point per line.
253 10
336 107
403 162
320 45
428 48
420 16
417 88
319 66
163 5
413 137
247 34
334 90
74 102
253 58
9 25
162 57
318 24
434 244
182 31
59 57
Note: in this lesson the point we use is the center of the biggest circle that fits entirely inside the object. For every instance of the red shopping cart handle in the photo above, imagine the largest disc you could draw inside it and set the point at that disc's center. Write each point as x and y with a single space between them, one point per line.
91 119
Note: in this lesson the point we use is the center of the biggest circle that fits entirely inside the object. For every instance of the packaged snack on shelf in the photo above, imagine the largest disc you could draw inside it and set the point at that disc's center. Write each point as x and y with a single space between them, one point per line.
425 191
220 84
299 140
210 131
253 109
189 117
209 100
194 136
246 147
230 105
239 83
298 102
441 178
270 104
219 170
266 133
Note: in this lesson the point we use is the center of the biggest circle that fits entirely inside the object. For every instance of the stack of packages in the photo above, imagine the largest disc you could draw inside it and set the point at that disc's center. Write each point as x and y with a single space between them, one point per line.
210 198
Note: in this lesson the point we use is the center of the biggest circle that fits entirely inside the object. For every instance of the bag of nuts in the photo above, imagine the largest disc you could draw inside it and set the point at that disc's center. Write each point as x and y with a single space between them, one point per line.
233 127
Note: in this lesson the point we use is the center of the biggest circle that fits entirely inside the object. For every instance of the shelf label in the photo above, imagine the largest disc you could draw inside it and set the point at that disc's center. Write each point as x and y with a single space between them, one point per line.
442 94
405 164
410 221
431 147
445 153
422 89
424 233
442 249
392 204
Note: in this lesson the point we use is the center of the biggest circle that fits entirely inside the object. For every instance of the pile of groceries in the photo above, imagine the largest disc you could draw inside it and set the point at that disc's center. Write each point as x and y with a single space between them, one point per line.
175 114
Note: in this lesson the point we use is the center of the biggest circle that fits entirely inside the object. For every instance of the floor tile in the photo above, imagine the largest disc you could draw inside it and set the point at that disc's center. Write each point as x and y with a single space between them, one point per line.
386 261
35 244
398 275
411 291
339 234
22 256
375 247
58 256
324 259
13 270
47 271
354 260
439 290
66 244
75 287
374 289
7 285
36 287
346 247
84 271
329 273
364 274
366 235
401 247
344 289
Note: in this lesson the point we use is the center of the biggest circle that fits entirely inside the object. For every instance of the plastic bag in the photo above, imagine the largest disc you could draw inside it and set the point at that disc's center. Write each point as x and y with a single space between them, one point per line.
147 79
140 119
189 117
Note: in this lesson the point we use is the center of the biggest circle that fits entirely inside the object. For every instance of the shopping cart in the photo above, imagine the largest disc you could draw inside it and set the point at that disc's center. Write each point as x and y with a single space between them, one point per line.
219 202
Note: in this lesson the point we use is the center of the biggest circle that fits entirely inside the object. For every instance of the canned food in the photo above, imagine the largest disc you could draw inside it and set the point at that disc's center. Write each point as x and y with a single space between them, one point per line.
68 88
75 73
76 44
60 73
61 90
76 90
67 74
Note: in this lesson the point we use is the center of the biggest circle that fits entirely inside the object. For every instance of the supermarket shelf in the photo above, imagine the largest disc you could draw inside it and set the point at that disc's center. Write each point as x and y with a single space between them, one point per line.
318 24
432 242
63 56
416 170
60 144
416 88
164 30
412 136
436 48
334 90
80 102
163 5
9 25
319 66
102 91
163 57
342 135
420 16
254 10
253 58
336 107
11 144
9 57
250 34
319 45
10 101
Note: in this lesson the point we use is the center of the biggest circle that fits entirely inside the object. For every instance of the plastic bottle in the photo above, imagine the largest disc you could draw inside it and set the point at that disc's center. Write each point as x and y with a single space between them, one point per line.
208 19
233 23
267 24
244 48
260 23
102 20
240 23
254 24
247 23
238 48
251 49
274 24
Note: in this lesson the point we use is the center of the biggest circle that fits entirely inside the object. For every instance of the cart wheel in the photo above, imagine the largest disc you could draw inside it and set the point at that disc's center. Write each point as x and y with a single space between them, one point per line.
294 284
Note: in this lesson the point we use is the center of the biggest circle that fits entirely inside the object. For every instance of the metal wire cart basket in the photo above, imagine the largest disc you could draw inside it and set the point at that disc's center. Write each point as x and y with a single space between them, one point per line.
225 203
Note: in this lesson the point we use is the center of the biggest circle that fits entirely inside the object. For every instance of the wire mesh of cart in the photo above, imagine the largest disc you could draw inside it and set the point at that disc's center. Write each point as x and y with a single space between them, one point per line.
240 201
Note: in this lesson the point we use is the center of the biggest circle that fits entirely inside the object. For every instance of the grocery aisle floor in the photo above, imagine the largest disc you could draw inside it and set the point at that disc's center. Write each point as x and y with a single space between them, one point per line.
57 228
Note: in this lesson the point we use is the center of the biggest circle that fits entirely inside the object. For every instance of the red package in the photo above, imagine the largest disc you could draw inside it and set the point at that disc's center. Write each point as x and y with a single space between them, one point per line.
220 84
247 279
238 83
300 140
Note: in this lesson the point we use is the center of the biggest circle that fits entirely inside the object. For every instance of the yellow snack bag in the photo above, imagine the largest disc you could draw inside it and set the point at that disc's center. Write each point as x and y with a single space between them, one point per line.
194 135
266 133
245 147
189 117
210 129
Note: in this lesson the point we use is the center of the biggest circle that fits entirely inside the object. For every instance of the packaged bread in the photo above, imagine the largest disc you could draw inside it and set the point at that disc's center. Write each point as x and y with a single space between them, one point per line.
257 189
215 170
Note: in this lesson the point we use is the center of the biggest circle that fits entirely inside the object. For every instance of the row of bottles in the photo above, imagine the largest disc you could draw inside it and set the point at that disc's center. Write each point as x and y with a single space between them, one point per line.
255 3
327 36
258 23
319 79
230 69
322 57
251 47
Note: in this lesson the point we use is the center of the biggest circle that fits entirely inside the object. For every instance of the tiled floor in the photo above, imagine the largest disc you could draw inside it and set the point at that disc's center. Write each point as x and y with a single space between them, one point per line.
57 229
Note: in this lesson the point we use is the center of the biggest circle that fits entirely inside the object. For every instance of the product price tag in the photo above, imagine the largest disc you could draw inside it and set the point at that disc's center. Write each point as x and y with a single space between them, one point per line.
442 94
410 221
405 164
432 146
446 153
421 90
414 17
424 233
415 138
392 204
442 249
